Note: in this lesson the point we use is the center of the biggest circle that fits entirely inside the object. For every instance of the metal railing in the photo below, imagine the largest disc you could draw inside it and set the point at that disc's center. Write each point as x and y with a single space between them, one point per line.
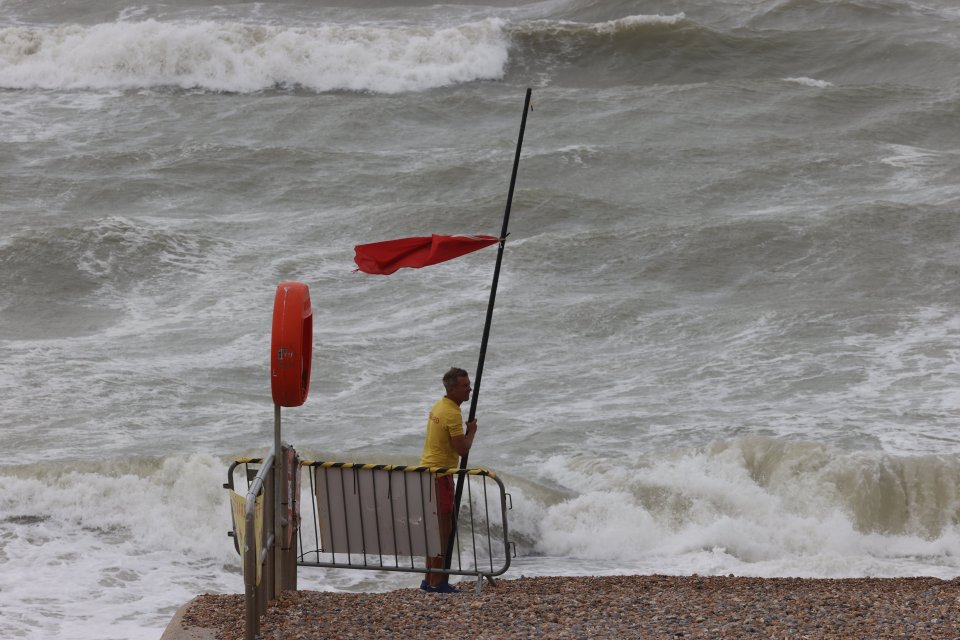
384 517
360 516
269 563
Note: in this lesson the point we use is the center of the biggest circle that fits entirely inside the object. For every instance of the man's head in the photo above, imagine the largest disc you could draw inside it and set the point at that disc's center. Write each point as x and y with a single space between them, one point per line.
457 384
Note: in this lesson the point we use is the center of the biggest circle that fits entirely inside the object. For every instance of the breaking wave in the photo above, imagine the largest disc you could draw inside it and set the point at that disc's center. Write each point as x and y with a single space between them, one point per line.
245 58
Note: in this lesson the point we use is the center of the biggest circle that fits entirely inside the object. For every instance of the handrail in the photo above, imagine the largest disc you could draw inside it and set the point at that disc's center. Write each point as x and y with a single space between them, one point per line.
276 563
251 563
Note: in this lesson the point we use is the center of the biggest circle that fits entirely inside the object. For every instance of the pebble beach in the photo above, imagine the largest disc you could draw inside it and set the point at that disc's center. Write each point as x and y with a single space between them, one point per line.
603 607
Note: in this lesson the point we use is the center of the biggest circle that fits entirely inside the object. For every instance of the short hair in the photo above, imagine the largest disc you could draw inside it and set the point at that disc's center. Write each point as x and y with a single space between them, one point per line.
451 377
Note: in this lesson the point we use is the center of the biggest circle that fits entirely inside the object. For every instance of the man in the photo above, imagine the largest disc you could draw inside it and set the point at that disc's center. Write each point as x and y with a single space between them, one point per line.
445 443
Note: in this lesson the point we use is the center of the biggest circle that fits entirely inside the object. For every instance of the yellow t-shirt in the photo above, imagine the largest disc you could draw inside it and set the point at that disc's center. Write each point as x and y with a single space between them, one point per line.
444 422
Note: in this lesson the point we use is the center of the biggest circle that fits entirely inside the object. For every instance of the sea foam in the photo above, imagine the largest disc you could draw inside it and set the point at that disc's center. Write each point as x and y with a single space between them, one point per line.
146 529
234 57
751 506
810 82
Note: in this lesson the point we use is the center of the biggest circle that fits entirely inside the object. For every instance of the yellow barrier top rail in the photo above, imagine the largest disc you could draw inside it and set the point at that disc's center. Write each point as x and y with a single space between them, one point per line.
382 467
398 467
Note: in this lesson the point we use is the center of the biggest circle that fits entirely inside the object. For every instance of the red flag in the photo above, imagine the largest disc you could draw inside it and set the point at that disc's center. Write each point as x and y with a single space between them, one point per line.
388 256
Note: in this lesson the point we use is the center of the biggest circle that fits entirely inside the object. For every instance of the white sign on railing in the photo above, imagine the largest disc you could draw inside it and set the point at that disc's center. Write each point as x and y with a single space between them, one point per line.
376 511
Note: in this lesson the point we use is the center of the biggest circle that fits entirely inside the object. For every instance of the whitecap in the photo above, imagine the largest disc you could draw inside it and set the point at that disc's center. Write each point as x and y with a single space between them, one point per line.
810 82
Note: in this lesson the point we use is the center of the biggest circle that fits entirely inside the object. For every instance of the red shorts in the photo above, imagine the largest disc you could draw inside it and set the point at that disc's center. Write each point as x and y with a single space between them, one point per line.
445 494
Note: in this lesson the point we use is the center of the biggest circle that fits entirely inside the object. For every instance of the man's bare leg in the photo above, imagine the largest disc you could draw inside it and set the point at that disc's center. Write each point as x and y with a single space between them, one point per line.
436 579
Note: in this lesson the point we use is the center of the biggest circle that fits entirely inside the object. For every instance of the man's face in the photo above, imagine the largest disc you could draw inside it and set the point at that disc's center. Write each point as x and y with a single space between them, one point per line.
461 392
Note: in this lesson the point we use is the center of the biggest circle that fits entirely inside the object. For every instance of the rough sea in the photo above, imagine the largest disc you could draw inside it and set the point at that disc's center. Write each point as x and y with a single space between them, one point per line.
727 333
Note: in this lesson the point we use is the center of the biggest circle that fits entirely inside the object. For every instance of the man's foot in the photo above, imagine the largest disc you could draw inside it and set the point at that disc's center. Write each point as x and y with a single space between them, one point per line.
425 586
446 588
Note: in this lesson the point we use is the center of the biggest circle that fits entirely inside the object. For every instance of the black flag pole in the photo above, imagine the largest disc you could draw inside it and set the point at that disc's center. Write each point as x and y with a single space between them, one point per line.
486 330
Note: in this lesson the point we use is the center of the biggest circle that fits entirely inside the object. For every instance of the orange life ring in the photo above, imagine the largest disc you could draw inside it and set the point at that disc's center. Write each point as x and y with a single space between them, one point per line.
291 345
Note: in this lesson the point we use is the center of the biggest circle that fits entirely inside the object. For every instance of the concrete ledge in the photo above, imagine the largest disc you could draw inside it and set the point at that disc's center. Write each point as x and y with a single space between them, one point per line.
176 631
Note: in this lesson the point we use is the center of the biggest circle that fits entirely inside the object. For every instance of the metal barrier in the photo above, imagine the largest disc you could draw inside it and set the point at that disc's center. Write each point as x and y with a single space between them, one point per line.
370 516
360 515
384 517
269 506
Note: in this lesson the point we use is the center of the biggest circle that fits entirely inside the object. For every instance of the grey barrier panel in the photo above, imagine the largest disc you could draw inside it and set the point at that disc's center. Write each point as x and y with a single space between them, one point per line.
365 517
378 512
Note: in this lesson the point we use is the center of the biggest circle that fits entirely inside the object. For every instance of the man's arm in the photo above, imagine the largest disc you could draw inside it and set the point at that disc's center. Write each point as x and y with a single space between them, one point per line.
462 444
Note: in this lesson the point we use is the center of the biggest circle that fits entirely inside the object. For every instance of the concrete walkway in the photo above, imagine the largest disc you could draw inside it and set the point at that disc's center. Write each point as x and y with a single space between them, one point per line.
176 631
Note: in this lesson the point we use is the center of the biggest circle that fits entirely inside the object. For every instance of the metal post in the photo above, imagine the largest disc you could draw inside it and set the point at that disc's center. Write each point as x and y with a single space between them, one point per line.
448 557
277 501
250 560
